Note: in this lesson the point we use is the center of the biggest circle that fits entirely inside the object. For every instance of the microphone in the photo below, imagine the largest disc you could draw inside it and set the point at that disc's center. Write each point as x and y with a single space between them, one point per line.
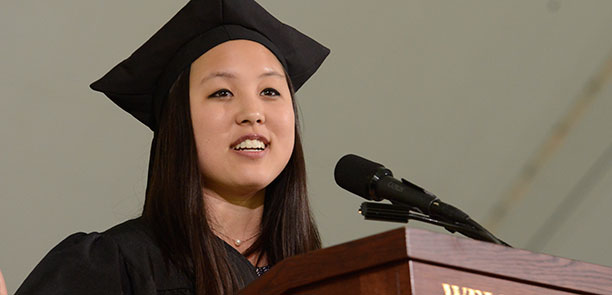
373 181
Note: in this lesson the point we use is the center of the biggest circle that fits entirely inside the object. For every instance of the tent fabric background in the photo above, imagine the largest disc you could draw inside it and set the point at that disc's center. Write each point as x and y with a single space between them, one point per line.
500 108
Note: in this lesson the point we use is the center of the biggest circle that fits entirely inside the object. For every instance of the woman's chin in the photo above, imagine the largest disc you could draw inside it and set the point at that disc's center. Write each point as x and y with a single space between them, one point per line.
255 177
251 186
244 187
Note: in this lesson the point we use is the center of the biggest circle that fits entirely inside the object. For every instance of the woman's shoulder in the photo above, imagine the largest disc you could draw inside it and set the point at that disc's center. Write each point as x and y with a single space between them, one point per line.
122 237
130 237
121 260
127 243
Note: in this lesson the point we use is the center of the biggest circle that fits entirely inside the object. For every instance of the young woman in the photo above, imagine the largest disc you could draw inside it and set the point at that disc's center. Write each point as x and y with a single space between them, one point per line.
226 196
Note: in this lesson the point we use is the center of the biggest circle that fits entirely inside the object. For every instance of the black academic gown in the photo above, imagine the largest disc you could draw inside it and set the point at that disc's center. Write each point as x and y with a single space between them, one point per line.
123 260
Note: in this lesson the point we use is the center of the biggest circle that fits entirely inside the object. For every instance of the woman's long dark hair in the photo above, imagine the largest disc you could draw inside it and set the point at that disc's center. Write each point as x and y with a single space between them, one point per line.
175 209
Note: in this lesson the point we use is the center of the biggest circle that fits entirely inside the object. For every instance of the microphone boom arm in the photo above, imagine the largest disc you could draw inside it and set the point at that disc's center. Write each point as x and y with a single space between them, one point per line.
402 214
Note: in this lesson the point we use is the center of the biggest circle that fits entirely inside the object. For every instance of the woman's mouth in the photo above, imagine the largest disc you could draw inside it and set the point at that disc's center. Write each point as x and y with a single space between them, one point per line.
250 145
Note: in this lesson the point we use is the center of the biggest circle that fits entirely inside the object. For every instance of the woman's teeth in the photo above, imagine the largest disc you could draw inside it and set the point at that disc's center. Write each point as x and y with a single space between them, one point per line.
250 145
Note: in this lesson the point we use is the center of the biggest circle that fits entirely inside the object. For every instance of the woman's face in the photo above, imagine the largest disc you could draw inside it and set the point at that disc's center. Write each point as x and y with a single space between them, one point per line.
242 115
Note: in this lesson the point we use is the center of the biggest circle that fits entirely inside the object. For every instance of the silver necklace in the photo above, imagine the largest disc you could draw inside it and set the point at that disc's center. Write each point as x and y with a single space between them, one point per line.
237 242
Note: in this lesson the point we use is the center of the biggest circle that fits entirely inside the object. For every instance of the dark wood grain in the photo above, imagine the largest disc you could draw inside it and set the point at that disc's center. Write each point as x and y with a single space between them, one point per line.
509 263
391 278
412 261
429 279
331 262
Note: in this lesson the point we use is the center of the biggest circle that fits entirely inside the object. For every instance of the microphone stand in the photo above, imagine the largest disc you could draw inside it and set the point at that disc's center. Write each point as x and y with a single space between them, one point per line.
402 214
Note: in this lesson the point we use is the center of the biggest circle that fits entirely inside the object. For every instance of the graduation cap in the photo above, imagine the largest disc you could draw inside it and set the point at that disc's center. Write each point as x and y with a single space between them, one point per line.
140 83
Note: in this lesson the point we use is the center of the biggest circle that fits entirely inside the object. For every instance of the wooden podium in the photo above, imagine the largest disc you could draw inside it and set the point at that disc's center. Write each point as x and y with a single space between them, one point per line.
419 262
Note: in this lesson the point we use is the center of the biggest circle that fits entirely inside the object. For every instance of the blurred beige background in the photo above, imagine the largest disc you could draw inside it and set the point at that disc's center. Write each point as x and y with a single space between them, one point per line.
502 108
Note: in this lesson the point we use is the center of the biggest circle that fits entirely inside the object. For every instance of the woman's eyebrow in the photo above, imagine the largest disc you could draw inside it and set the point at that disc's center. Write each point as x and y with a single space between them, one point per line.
233 76
271 73
218 74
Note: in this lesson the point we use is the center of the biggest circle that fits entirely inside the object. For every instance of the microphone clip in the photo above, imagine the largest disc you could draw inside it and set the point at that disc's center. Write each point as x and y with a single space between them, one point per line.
402 214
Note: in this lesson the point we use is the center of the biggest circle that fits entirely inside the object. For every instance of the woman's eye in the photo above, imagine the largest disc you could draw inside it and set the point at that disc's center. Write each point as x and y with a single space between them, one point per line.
221 93
270 92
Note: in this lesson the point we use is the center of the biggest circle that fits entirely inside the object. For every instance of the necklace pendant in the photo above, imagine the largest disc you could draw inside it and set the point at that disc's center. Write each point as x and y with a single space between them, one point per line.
237 243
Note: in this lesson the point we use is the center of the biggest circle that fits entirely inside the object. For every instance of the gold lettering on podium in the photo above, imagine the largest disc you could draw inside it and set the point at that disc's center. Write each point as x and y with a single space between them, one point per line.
460 290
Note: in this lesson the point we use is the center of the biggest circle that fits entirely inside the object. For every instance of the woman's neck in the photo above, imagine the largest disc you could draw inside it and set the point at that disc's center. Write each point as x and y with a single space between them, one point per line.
236 217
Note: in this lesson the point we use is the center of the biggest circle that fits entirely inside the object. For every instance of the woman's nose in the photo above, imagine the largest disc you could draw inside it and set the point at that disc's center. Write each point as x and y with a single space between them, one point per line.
251 111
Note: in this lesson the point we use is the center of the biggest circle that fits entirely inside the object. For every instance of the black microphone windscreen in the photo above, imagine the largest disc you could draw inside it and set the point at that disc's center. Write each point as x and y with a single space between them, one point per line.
354 174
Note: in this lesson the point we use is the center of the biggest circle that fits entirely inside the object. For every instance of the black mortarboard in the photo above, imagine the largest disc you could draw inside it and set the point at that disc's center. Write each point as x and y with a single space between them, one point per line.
140 84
